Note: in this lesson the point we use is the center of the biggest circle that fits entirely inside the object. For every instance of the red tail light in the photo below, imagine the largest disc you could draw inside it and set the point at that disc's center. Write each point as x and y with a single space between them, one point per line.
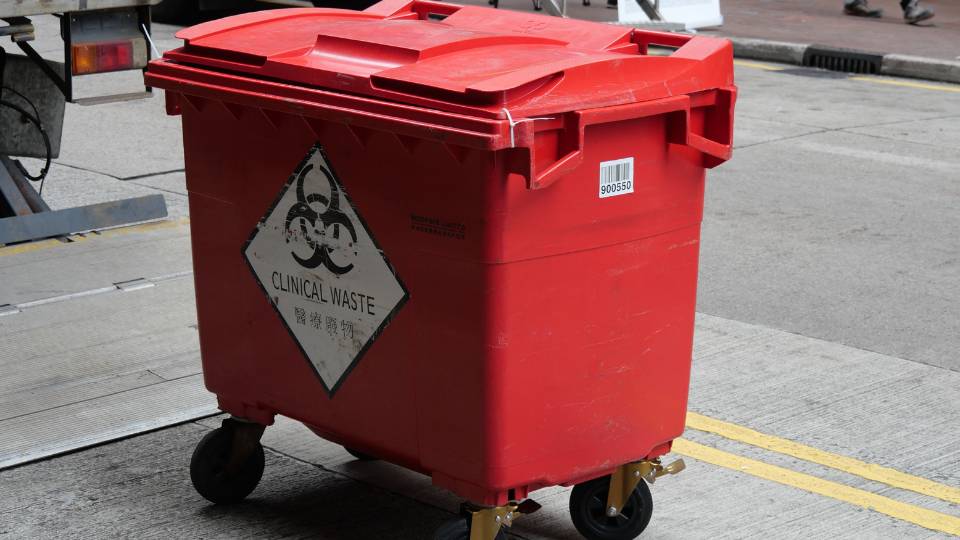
102 57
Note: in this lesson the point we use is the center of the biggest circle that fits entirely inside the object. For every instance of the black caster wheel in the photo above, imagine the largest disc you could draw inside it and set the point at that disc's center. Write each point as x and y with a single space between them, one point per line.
588 510
359 455
215 477
537 6
459 529
586 2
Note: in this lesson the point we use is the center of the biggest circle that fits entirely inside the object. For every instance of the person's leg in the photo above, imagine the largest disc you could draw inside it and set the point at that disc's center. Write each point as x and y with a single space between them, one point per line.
913 12
860 8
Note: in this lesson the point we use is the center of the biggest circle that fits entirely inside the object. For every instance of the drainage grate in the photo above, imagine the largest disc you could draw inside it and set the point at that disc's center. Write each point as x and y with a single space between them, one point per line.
842 60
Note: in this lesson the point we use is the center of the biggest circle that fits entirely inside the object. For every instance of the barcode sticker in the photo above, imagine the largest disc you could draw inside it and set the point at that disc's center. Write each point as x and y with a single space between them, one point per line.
616 177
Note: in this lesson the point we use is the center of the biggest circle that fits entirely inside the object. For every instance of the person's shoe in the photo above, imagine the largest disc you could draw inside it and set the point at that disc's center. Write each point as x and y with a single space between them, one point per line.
861 9
913 13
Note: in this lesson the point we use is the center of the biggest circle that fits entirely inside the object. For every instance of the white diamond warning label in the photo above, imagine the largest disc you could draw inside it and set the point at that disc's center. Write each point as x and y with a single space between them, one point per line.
322 270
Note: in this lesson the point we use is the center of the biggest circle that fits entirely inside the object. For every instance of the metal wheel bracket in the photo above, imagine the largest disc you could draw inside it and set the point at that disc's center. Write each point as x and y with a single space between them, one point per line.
625 479
485 523
246 436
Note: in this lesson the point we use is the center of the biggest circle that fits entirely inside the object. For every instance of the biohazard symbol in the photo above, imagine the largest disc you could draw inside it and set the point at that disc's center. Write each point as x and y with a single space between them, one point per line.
314 224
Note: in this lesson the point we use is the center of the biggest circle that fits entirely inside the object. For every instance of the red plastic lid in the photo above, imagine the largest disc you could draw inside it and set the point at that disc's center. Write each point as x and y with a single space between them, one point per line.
458 58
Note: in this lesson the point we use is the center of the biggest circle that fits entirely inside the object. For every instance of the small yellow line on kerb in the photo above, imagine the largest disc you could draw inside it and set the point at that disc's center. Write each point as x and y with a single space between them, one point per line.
32 246
870 471
861 78
757 65
906 512
908 84
119 231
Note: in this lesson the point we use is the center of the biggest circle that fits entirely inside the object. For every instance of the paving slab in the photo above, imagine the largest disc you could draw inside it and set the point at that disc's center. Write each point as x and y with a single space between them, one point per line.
94 261
843 232
63 340
873 407
940 133
86 365
89 422
141 488
750 131
123 140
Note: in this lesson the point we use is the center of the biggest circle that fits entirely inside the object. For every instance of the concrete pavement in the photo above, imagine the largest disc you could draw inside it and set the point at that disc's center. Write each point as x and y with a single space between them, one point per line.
828 296
822 22
832 221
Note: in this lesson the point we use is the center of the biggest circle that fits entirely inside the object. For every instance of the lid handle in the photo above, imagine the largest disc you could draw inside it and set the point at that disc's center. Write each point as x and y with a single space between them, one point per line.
415 9
715 146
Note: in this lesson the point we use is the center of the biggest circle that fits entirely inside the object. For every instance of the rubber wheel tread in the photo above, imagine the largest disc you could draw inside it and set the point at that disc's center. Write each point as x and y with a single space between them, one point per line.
587 510
207 469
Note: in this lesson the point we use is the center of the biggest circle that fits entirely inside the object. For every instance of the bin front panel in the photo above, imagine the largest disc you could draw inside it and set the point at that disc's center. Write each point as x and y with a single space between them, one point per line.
494 375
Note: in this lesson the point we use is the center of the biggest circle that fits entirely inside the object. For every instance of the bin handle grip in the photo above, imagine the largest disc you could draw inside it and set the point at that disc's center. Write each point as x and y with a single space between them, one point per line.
413 9
677 109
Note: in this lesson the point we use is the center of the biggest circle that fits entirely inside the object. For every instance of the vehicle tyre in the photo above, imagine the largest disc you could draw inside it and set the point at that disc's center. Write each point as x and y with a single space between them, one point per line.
209 473
459 529
588 504
175 11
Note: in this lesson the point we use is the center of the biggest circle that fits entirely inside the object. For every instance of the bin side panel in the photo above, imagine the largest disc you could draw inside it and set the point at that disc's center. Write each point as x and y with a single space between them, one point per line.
589 320
576 379
602 371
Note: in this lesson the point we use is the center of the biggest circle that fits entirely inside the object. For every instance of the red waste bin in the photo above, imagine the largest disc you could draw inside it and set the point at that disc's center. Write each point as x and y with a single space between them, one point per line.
459 239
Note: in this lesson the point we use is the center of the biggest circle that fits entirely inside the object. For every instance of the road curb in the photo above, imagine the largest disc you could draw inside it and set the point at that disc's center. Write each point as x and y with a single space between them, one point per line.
898 65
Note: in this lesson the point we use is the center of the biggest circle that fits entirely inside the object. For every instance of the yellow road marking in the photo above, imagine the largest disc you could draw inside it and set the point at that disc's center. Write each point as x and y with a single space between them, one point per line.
870 471
757 65
858 497
32 246
119 231
875 80
908 84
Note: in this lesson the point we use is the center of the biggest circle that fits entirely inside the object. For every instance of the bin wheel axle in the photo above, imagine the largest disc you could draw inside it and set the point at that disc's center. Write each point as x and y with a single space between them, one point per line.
228 462
484 523
459 529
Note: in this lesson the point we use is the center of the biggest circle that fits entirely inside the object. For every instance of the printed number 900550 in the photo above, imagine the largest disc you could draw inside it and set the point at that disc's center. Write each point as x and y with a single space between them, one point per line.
616 187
